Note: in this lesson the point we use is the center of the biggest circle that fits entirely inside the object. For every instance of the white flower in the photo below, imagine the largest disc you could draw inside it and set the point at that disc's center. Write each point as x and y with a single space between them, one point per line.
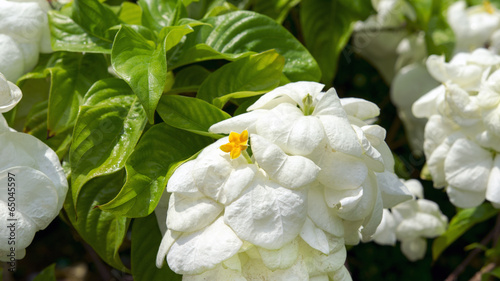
376 39
24 33
318 178
462 136
473 26
411 222
32 178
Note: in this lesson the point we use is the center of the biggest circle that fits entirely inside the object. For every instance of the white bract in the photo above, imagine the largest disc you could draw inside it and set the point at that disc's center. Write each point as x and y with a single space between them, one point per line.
24 33
318 178
410 223
33 185
462 139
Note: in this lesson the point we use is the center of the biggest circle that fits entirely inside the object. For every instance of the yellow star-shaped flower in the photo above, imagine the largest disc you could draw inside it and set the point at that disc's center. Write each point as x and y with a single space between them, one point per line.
237 144
488 7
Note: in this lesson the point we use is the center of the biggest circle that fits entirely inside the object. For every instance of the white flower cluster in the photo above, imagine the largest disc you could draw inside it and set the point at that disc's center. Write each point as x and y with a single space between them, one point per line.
318 178
24 33
32 182
462 136
411 222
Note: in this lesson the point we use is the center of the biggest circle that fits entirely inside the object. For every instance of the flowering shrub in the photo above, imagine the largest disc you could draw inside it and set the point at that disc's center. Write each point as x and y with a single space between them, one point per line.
249 140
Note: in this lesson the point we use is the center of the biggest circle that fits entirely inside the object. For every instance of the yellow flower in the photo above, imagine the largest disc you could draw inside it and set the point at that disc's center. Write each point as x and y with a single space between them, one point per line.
237 144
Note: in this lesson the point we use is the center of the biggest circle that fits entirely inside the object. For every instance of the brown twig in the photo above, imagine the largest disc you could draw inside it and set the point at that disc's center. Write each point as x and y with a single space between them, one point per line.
487 268
494 233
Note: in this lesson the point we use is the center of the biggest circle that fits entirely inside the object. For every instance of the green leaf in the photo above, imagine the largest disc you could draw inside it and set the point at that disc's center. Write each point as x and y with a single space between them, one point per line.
423 11
130 13
493 273
141 62
66 35
146 239
95 18
189 79
107 129
246 77
276 9
103 231
327 26
459 224
71 77
36 125
47 274
439 37
241 33
159 150
157 14
190 114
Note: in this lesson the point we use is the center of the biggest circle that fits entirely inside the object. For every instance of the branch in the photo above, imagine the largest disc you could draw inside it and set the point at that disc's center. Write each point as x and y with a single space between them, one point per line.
461 267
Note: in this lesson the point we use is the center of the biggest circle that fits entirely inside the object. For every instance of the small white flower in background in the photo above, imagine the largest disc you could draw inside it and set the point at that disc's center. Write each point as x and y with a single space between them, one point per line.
24 33
473 26
376 39
411 222
462 139
318 178
31 177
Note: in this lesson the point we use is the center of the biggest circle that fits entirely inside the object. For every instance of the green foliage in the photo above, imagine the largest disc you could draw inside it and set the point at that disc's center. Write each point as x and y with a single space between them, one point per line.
139 58
241 33
109 125
460 223
157 14
276 9
103 231
250 76
48 274
189 79
147 236
156 154
327 26
190 114
130 13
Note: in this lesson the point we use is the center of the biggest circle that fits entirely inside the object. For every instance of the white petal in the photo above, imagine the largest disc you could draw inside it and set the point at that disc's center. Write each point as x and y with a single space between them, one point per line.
187 214
282 258
371 222
468 166
319 263
315 237
24 229
414 249
166 242
338 130
341 171
464 109
290 171
324 217
415 188
10 94
182 181
421 224
286 126
371 156
491 119
22 21
218 273
35 194
196 252
11 58
342 274
426 106
359 207
393 191
493 188
267 214
20 149
360 108
239 123
386 231
465 198
290 93
255 269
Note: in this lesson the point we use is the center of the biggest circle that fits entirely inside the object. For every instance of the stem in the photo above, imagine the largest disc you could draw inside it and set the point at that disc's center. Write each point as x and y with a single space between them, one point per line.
101 267
461 267
247 157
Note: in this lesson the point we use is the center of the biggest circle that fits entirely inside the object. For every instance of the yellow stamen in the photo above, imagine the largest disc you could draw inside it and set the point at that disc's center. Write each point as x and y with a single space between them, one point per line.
488 7
237 144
